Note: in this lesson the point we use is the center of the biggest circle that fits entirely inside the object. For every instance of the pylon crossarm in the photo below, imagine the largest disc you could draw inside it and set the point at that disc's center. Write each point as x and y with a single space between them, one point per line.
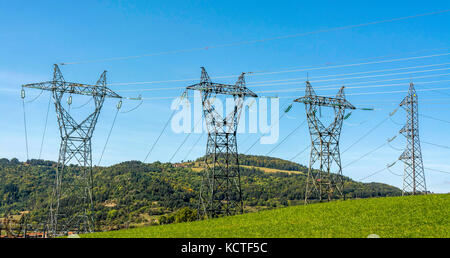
325 102
74 88
224 89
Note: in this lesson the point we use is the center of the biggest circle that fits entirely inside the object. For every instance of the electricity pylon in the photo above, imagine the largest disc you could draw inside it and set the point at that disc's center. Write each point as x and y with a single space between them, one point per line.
220 192
324 181
414 175
71 204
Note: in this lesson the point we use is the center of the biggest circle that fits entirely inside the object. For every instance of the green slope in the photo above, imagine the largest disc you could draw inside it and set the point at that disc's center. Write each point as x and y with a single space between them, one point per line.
411 216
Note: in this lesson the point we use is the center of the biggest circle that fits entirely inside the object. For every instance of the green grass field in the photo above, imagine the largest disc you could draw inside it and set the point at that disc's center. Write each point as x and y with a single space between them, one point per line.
411 216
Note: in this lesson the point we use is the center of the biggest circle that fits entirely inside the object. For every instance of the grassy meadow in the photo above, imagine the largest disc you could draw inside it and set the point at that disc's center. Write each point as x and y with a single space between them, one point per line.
409 216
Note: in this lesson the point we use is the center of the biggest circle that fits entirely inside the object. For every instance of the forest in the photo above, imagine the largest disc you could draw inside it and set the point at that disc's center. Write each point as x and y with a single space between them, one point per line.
133 193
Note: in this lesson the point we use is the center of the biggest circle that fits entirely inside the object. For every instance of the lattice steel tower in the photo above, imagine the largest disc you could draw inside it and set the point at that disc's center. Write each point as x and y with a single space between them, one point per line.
71 205
220 192
326 179
414 175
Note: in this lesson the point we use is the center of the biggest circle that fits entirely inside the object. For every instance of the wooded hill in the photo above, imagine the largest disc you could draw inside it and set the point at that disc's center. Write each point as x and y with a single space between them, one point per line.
134 193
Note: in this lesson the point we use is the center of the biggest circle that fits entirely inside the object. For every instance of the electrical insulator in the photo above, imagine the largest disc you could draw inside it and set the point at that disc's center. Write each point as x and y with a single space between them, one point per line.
69 100
22 93
347 116
288 108
119 105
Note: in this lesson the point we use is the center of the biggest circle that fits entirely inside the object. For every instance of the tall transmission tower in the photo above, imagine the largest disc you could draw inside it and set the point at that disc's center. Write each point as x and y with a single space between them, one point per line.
414 175
324 181
220 192
71 204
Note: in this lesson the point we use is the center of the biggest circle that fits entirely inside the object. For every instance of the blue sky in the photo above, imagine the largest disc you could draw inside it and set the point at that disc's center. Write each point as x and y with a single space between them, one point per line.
35 35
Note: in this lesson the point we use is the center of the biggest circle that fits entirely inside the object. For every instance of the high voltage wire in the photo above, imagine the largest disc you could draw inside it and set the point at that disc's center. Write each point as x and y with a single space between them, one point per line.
356 73
109 135
286 137
366 134
330 87
273 124
83 105
402 91
282 108
164 128
25 125
364 77
192 147
45 126
295 70
365 155
390 171
35 98
434 118
437 145
296 80
437 170
379 171
134 108
348 94
185 139
387 167
261 40
376 172
351 65
300 153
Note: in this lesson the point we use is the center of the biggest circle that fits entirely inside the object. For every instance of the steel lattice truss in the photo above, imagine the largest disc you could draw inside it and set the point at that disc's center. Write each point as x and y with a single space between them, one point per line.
71 205
326 179
220 192
414 175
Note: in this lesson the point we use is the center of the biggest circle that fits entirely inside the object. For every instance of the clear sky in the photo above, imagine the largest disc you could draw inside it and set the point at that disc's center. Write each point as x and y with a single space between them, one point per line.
36 34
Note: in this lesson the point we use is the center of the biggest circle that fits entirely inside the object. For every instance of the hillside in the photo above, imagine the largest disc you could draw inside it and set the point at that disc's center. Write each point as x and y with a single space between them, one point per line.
410 216
133 193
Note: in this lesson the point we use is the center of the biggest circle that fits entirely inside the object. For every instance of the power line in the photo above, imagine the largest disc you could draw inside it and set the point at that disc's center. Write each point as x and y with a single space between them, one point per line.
325 88
164 128
282 108
25 122
401 91
184 141
35 98
434 118
349 94
300 153
45 126
381 170
351 65
390 171
262 40
87 102
110 131
297 70
355 73
437 145
273 124
376 172
195 144
437 170
365 155
296 80
285 138
134 108
362 77
366 134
